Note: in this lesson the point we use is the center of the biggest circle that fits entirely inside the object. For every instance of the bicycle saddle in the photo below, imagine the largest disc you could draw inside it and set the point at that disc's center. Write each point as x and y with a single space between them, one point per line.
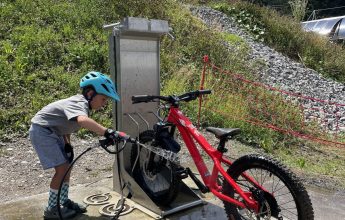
223 132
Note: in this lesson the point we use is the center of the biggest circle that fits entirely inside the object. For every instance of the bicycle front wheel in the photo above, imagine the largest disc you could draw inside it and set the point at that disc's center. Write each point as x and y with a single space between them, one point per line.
156 175
286 197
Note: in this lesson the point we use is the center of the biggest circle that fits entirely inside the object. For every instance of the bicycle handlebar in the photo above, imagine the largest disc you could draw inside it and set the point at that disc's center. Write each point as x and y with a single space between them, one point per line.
172 99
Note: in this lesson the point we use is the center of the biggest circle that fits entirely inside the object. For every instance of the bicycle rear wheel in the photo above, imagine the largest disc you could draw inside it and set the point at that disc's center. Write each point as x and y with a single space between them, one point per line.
286 197
156 175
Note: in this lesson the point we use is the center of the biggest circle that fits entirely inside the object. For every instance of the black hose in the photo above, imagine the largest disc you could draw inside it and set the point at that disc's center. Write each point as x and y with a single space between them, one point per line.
122 204
75 160
62 180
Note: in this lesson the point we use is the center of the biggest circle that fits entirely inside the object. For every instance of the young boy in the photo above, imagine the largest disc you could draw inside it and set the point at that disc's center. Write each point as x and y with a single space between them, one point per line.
50 135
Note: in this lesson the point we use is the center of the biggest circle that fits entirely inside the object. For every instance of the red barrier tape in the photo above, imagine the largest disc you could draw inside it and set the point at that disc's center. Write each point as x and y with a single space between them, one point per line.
258 122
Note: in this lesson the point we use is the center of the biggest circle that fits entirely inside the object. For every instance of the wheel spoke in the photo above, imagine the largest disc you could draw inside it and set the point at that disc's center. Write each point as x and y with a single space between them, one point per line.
287 210
253 176
247 185
267 173
274 190
283 186
279 195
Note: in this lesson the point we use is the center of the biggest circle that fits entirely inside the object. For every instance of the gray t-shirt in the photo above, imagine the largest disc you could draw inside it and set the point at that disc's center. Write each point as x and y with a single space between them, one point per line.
60 116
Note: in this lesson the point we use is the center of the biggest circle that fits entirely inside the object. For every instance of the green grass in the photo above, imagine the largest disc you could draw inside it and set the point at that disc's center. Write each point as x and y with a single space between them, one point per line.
46 46
320 162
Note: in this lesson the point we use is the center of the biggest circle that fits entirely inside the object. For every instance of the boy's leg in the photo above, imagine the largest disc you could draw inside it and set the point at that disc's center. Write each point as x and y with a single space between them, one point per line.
59 173
51 211
64 200
50 150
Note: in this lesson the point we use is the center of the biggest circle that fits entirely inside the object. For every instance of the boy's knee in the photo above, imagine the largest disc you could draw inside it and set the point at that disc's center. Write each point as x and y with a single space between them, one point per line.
62 168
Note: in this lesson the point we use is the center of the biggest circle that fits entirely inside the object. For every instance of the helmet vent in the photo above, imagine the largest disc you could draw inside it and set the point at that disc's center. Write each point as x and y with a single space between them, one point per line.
109 81
105 87
87 77
93 75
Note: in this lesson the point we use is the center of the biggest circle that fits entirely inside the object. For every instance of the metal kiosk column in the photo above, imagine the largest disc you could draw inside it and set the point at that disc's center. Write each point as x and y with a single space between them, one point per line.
134 46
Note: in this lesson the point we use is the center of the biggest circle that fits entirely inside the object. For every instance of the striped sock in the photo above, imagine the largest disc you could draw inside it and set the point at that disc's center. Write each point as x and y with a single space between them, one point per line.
52 201
64 193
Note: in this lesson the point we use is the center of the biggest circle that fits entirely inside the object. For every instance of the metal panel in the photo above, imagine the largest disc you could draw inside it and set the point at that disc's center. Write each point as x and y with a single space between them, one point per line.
132 26
159 26
319 25
341 30
139 75
135 24
309 26
326 26
134 63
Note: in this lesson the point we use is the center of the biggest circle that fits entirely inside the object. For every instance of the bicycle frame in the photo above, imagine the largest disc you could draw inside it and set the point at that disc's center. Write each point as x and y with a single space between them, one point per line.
190 134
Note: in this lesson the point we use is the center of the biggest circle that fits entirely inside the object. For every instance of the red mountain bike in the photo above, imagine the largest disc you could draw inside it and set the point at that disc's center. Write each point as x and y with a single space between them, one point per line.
252 187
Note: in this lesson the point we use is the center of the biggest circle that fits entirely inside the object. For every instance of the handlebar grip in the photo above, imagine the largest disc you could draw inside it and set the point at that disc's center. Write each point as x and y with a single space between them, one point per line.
141 98
206 91
189 96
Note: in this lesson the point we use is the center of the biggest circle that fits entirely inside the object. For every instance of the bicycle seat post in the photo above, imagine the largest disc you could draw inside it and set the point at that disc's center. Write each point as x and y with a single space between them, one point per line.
221 146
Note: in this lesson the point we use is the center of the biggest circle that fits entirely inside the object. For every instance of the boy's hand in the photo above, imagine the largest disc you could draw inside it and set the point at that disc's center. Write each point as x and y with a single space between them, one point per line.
69 152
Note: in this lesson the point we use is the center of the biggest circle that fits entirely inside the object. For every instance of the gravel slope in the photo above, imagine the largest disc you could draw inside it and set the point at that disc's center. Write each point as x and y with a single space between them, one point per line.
286 74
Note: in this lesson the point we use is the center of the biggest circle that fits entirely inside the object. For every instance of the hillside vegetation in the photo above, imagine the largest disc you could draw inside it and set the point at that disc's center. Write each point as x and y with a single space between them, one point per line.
47 45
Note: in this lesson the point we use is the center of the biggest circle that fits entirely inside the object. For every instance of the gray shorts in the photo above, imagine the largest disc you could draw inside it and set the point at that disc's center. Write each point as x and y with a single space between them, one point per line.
48 145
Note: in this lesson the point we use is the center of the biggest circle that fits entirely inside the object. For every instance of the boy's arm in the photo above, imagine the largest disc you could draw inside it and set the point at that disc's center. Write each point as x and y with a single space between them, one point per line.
90 124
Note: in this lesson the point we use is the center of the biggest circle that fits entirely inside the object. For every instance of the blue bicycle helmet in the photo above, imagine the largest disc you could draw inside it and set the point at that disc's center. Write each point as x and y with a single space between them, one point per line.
101 83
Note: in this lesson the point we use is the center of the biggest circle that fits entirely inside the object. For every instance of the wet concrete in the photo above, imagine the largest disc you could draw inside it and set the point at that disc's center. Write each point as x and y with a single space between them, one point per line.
327 205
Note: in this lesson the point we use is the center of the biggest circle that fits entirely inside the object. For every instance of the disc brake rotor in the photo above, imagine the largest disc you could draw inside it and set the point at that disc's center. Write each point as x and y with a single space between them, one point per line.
264 212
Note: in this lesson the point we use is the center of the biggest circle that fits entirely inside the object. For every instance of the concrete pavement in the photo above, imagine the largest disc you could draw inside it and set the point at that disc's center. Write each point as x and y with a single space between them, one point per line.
327 205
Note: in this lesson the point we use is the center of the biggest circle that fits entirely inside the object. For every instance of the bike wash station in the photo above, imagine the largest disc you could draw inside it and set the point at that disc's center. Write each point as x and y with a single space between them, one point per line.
134 55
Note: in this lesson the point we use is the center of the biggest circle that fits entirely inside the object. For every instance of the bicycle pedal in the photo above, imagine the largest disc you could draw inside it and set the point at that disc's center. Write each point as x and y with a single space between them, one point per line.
182 173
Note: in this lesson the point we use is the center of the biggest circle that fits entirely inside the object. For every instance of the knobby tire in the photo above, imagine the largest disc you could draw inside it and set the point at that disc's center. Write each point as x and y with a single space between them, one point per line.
282 177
